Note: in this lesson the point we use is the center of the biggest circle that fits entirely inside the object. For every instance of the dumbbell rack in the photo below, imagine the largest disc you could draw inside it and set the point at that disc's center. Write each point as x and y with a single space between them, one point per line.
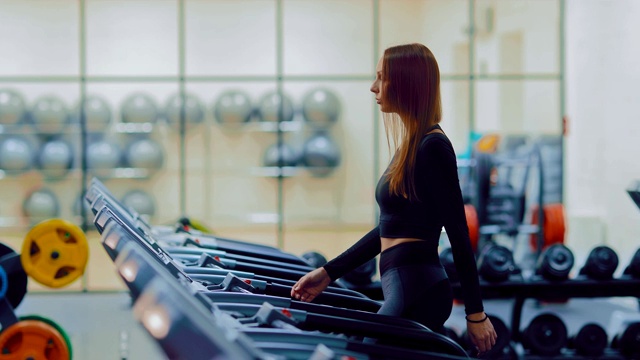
536 287
540 289
483 163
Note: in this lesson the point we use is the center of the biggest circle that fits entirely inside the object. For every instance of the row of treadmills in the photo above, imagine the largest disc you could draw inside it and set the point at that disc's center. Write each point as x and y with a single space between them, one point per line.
203 297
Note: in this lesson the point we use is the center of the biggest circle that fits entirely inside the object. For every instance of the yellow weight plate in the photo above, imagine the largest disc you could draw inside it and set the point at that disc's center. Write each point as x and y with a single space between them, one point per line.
55 253
488 143
197 225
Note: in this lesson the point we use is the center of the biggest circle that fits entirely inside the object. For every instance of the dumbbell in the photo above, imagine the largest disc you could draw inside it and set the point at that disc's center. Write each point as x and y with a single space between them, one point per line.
555 263
601 263
452 334
590 341
628 341
634 266
362 275
496 263
502 342
446 259
314 258
546 335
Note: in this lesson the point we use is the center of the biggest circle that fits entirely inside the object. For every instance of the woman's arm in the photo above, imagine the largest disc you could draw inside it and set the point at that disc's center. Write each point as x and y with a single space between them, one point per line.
313 283
479 327
445 188
362 251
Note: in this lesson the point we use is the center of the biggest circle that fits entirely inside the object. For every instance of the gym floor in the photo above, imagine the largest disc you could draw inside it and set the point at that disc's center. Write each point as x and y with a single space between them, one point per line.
102 327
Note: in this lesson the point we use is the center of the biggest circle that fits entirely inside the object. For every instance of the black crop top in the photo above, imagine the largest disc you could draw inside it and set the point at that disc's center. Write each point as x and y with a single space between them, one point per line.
440 204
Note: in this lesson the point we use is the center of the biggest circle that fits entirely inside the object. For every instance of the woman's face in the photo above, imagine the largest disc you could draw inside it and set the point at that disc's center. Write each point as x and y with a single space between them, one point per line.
377 88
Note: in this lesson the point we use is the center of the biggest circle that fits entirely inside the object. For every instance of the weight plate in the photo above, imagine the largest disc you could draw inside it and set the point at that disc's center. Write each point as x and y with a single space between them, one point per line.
16 277
55 325
546 335
33 339
55 253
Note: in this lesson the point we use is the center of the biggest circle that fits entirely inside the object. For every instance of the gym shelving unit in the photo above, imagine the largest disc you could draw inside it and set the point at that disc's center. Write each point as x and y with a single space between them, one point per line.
519 290
540 289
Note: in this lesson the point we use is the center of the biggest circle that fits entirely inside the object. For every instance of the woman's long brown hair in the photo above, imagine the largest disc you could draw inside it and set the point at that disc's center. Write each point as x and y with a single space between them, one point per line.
411 81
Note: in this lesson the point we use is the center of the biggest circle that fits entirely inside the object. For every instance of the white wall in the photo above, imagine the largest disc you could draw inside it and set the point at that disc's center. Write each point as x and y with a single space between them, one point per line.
136 37
521 37
603 72
441 25
39 38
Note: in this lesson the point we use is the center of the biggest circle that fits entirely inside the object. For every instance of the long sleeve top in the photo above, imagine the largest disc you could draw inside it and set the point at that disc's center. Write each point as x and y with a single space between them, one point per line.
439 204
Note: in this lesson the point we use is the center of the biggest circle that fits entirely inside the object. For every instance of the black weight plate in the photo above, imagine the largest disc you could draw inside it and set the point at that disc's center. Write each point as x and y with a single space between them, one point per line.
546 335
601 263
496 263
504 337
314 258
634 266
451 334
629 341
591 340
16 276
363 274
555 263
446 259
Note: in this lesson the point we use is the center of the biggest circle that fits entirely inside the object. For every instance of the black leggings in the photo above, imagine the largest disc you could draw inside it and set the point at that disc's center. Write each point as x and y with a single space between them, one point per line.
415 285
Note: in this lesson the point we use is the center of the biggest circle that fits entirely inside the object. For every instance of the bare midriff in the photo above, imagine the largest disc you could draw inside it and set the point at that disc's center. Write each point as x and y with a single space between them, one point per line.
386 243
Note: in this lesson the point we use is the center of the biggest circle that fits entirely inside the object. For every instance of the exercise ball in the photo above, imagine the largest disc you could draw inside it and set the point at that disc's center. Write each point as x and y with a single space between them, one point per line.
103 154
16 154
320 155
12 107
193 110
140 201
55 158
273 107
144 153
233 108
320 108
284 152
139 108
97 112
49 114
40 205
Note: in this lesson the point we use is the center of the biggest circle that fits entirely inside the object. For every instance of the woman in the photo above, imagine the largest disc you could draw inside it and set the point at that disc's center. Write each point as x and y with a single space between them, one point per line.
418 194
